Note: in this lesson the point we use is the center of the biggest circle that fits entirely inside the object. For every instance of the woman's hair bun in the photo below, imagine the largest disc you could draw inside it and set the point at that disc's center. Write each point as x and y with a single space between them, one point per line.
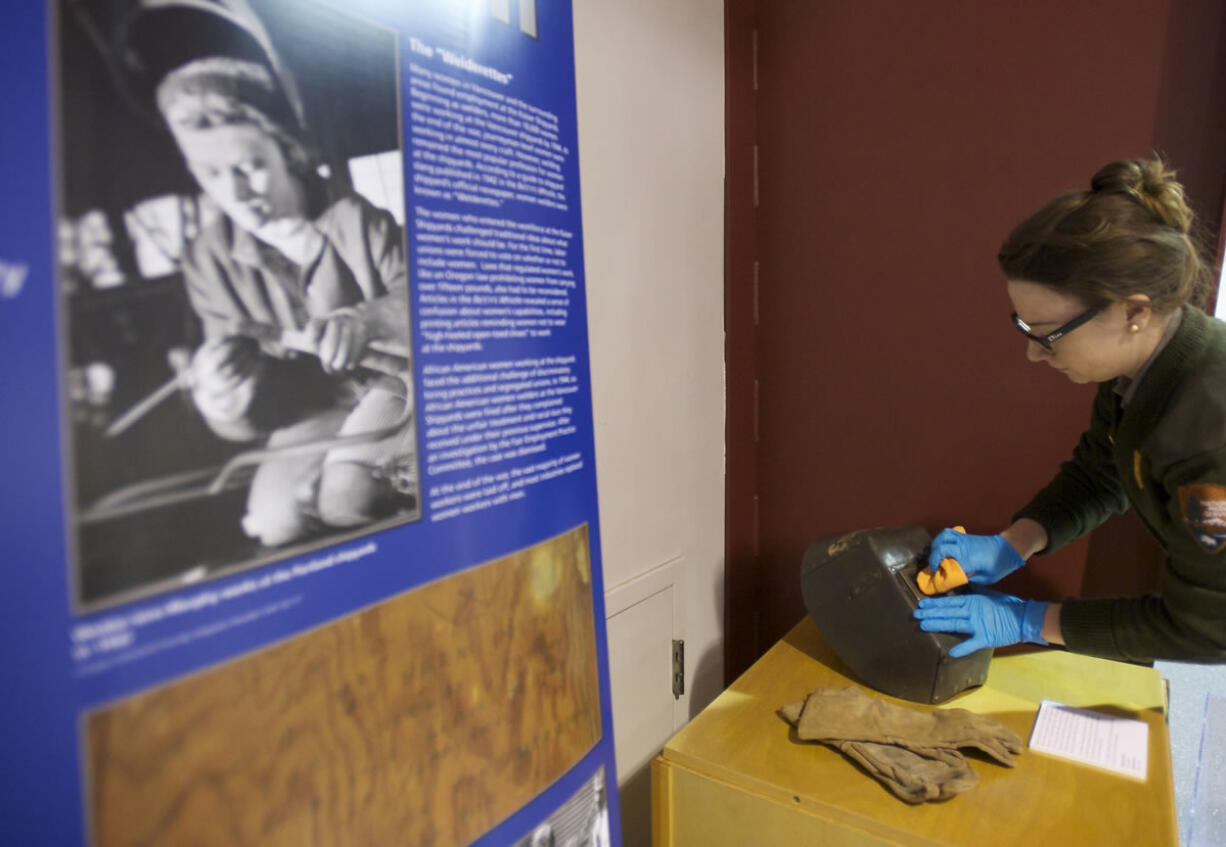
1132 233
1150 183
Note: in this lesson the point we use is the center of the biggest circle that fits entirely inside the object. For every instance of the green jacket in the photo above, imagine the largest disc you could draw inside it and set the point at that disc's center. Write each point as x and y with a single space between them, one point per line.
1164 454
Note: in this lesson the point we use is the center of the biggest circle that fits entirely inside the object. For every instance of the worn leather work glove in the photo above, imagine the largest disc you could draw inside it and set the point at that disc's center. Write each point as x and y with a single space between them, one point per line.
915 777
848 714
912 776
984 558
990 618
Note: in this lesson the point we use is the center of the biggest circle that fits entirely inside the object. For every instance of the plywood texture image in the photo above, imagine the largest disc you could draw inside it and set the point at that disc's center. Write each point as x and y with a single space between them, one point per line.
424 720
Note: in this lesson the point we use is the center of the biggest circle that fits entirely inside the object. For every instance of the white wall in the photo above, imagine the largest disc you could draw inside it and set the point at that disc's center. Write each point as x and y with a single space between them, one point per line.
650 78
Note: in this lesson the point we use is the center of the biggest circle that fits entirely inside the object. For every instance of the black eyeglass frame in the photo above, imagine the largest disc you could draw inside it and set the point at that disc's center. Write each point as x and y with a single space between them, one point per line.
1046 341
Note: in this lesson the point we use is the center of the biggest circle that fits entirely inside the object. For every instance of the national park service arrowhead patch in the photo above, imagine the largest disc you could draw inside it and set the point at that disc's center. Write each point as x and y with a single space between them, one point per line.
1204 513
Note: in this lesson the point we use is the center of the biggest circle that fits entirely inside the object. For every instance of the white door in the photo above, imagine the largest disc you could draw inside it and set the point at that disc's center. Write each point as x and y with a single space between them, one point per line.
642 624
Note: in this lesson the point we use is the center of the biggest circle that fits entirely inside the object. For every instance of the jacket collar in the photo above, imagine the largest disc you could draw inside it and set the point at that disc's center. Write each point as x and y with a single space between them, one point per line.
1162 377
1126 387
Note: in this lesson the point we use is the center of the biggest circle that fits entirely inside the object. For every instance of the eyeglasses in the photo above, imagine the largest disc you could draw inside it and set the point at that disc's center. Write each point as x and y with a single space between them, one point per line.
1046 341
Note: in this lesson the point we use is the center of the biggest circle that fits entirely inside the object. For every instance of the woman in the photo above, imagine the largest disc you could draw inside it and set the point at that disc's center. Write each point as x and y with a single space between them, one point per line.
285 261
1102 284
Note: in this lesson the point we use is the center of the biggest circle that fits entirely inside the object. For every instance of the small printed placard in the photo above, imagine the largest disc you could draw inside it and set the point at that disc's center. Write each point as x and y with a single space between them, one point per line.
1120 745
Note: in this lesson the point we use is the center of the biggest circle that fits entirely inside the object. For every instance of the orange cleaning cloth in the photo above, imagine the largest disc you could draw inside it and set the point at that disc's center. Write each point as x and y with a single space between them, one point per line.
949 575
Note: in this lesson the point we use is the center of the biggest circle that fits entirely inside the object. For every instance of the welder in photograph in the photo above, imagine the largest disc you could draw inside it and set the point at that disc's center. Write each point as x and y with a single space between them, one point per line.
295 291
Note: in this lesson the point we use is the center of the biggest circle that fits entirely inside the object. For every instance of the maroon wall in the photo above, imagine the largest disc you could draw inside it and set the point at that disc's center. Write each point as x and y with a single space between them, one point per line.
898 143
741 544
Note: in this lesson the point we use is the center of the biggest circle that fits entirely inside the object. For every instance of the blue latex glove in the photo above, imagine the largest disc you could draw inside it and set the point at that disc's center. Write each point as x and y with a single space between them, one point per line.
984 558
990 618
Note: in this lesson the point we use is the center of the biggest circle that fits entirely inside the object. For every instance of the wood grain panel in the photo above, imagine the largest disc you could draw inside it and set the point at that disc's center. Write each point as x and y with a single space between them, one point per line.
424 720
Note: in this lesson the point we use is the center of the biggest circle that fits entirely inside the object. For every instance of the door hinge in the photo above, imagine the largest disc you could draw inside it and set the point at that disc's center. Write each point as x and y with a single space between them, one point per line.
678 668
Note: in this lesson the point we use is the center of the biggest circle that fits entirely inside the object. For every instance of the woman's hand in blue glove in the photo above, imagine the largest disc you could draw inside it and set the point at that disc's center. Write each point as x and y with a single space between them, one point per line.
990 618
984 558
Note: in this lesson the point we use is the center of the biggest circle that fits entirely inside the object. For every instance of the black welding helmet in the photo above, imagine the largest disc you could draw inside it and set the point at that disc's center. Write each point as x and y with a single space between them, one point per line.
860 590
158 35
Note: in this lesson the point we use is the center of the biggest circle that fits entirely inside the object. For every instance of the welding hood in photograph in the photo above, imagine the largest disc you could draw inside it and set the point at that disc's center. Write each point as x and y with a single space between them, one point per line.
860 590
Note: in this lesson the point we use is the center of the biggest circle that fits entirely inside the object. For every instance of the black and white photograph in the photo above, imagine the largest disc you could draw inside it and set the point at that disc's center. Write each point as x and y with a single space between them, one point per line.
582 821
233 283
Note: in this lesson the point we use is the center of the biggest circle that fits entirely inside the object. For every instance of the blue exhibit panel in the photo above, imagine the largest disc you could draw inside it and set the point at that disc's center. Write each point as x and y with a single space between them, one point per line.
292 324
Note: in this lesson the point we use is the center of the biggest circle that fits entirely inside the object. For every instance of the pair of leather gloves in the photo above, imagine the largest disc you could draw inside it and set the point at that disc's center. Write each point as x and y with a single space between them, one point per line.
914 753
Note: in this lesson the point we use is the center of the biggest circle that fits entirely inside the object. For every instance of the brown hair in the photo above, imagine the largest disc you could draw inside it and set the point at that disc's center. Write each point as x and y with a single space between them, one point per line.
1131 233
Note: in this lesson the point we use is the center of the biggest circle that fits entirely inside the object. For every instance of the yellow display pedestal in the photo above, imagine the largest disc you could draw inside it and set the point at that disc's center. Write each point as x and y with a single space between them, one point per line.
735 775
